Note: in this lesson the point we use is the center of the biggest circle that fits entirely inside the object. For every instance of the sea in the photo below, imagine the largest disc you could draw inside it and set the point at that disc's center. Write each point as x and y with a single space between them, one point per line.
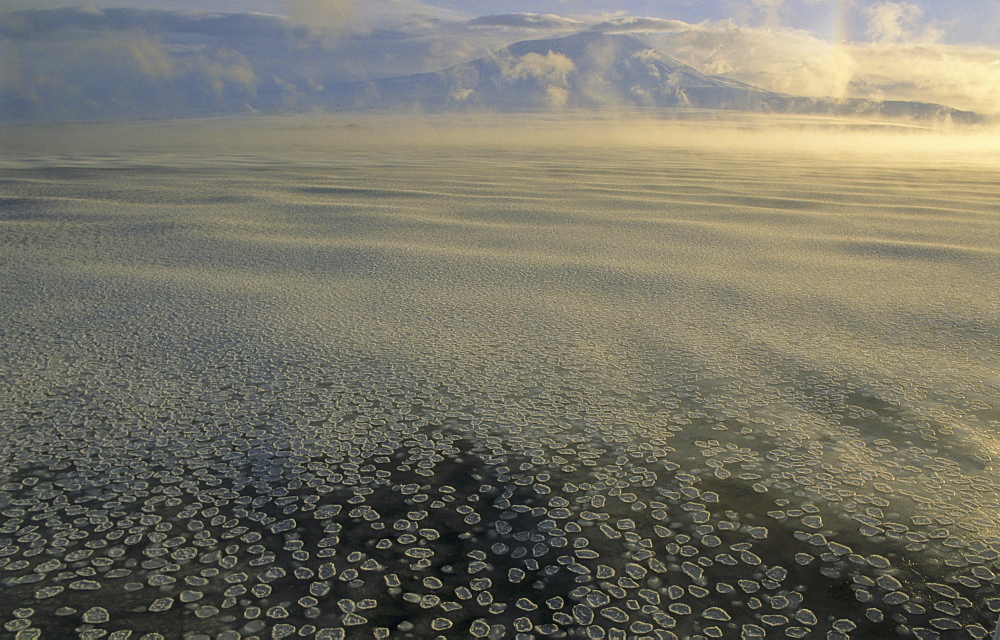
700 377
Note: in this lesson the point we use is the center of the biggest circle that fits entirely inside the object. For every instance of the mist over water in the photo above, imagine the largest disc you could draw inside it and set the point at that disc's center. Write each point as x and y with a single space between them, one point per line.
700 378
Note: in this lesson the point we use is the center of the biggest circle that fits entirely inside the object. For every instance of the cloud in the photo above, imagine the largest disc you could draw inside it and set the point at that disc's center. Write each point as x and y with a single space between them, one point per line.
532 21
556 97
785 61
893 21
151 58
124 74
640 25
322 18
960 76
462 95
799 63
551 70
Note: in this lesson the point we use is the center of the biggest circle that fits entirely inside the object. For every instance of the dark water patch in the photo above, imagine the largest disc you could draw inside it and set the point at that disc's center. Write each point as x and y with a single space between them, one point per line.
905 251
99 172
365 192
13 203
764 202
16 209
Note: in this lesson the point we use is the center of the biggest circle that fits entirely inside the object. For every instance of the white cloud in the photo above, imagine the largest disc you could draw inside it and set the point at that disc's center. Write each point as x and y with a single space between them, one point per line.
550 70
640 25
899 22
786 61
526 21
799 63
556 97
149 56
960 76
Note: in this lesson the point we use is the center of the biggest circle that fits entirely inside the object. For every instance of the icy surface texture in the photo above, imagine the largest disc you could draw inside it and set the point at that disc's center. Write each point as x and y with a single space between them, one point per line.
422 392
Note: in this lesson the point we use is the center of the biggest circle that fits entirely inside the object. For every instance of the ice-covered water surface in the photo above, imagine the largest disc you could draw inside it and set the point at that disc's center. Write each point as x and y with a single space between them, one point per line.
446 391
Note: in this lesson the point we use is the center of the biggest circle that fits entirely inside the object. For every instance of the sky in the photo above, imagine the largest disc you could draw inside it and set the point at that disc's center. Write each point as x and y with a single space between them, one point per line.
126 59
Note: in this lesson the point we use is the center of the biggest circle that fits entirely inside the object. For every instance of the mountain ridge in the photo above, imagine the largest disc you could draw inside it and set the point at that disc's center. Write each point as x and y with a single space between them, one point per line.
592 70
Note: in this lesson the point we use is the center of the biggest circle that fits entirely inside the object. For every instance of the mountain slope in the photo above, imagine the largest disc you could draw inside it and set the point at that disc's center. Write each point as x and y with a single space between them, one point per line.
584 70
591 70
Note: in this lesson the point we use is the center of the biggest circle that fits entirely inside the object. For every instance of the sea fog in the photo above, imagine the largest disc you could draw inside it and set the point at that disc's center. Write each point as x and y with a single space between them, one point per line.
397 377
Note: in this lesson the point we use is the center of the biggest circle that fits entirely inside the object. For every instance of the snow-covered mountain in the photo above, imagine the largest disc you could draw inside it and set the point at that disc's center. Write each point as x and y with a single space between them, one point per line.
597 70
584 70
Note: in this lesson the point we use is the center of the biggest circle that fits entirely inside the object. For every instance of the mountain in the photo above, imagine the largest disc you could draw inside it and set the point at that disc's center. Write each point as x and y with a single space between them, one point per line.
585 70
592 70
